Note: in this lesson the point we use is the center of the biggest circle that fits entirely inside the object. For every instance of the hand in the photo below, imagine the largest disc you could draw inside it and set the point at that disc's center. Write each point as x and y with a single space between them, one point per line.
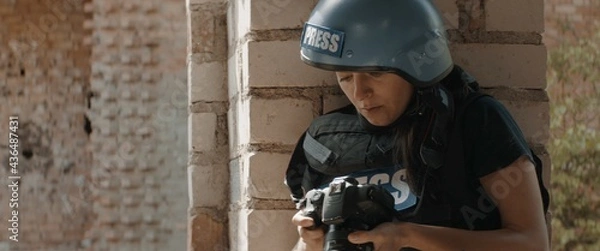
385 237
313 238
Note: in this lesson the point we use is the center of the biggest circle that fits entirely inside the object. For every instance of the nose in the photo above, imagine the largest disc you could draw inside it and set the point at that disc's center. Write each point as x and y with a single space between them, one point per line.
362 86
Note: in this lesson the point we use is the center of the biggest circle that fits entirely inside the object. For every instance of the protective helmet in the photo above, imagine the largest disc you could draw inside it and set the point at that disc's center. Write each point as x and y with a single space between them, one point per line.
402 36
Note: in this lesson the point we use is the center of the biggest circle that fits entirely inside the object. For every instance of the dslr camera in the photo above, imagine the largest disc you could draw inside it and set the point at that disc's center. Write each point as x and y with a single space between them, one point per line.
344 207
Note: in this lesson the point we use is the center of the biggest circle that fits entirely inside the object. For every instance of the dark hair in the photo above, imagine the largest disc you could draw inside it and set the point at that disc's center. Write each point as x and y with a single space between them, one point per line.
410 132
407 142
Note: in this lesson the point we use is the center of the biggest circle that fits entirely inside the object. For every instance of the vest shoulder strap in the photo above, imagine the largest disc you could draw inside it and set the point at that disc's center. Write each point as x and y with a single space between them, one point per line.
455 155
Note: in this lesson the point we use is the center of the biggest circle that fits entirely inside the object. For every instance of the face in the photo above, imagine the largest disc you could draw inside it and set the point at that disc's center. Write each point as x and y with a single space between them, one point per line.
381 97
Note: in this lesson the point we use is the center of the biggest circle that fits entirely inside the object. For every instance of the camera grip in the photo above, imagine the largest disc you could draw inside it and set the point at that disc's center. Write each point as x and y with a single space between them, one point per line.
316 219
314 205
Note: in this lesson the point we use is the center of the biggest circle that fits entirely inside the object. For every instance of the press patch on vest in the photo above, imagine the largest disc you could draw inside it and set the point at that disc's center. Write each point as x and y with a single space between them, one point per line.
322 40
393 180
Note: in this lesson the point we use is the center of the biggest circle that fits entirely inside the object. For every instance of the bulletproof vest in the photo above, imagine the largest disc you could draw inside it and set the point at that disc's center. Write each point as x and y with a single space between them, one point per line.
337 144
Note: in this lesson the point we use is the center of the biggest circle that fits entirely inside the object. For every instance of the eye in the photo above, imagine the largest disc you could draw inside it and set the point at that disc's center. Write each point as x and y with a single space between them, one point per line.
345 78
376 74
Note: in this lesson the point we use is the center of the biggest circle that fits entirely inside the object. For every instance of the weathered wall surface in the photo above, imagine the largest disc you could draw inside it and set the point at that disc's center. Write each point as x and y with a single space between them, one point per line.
100 91
208 144
44 72
139 125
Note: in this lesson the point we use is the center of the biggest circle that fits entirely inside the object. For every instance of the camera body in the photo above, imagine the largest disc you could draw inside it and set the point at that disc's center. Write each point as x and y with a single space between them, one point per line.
346 206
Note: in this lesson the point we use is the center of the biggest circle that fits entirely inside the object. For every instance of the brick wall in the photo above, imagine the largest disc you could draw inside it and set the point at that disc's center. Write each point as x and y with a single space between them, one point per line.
44 71
208 170
139 125
100 91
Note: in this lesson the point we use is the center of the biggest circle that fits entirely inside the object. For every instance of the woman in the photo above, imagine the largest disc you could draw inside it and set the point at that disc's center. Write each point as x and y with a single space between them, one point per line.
473 178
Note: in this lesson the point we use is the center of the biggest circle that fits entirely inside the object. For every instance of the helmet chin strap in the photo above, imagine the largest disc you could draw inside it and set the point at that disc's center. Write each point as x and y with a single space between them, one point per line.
435 139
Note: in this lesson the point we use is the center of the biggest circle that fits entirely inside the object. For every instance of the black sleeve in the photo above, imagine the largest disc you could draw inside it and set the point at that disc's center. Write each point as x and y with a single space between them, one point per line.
299 176
493 140
294 175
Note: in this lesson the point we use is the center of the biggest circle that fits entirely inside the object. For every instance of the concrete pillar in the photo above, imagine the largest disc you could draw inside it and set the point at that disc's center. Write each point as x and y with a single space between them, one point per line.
208 173
273 96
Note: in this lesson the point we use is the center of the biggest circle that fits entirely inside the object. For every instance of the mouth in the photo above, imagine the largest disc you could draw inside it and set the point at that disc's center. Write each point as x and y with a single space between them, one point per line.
370 108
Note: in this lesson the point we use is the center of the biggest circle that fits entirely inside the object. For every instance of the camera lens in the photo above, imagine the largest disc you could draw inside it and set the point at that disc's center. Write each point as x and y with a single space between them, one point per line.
336 239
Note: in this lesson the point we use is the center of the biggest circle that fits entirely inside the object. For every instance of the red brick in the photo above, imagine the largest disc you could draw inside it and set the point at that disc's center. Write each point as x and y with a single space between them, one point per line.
207 233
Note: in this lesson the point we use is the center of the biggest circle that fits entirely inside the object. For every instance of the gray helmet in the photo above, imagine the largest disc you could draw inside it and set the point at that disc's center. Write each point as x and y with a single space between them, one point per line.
402 36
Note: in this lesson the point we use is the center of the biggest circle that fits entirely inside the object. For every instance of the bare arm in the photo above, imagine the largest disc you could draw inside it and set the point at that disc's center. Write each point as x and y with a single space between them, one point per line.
520 206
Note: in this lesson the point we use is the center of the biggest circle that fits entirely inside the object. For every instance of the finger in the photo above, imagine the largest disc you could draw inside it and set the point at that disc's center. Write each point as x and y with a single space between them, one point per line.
360 237
307 234
301 220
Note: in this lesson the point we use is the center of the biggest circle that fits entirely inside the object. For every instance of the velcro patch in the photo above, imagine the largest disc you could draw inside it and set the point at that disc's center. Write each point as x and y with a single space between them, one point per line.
322 40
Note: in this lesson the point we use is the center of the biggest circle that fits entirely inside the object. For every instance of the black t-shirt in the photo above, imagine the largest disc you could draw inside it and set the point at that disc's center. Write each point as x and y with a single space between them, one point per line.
491 140
491 137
